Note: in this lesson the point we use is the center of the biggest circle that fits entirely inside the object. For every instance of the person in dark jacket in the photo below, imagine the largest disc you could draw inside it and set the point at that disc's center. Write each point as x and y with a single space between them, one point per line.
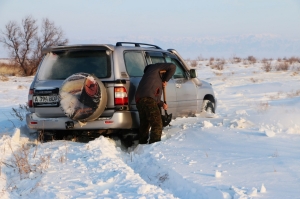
148 100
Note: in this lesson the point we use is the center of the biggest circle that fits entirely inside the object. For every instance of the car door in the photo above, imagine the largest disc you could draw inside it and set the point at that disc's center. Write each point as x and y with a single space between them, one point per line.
158 57
135 64
186 93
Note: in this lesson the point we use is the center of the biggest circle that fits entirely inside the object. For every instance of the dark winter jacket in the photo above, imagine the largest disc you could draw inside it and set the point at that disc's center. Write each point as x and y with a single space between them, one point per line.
151 82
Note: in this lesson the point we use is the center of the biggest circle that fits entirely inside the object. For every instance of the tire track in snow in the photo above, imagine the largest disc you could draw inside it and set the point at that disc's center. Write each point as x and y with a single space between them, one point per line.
145 162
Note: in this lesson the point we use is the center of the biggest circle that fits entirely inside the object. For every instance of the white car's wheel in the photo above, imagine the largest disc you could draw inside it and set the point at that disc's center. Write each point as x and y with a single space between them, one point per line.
83 97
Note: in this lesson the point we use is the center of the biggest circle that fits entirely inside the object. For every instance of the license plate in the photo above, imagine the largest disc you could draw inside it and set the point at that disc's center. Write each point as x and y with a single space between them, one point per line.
45 99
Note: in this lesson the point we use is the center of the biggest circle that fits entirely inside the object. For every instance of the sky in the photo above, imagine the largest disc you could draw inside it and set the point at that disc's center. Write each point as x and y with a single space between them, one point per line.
207 28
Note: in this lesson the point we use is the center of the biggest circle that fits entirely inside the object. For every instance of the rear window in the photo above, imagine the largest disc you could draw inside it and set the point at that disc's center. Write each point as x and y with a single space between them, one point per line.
135 64
62 64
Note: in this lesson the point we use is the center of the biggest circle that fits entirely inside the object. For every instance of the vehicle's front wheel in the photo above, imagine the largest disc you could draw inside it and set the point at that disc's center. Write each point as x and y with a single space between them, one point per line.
208 107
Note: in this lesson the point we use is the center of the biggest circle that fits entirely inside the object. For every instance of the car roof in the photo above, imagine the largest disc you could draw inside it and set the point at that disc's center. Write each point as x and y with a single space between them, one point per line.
124 45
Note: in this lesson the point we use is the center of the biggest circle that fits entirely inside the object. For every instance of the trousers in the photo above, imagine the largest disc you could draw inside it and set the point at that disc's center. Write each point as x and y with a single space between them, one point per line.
150 117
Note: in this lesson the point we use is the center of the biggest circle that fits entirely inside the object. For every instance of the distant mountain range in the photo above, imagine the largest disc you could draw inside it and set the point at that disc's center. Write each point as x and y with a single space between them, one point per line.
242 46
259 45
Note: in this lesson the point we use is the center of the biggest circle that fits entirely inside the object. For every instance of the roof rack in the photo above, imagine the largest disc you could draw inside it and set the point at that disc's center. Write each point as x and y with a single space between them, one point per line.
79 46
137 44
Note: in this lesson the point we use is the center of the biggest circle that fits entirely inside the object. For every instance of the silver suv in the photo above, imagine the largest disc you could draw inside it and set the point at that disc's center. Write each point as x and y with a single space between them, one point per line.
117 70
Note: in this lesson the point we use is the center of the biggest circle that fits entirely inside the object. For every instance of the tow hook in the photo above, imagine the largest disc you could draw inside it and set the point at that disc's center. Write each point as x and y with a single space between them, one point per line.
69 125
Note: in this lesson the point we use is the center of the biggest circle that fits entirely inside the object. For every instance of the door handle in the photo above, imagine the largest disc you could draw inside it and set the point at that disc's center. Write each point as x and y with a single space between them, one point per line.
178 85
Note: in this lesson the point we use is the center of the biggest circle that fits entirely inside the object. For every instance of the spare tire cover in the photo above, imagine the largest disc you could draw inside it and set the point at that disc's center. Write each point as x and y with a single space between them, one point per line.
83 97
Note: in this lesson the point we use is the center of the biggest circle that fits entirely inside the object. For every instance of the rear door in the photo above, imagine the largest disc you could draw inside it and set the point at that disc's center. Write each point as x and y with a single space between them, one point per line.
135 63
59 65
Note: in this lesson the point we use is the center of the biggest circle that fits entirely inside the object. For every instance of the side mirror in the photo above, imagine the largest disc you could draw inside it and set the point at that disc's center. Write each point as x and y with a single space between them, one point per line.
193 73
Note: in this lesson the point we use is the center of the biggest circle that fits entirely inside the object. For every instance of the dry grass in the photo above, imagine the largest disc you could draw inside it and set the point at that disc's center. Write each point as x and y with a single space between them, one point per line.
251 59
21 87
267 67
282 66
293 60
263 107
285 95
219 64
211 61
3 78
276 96
188 60
245 62
10 70
254 80
293 94
295 73
25 164
63 156
218 73
200 58
237 60
20 112
23 159
1 159
193 63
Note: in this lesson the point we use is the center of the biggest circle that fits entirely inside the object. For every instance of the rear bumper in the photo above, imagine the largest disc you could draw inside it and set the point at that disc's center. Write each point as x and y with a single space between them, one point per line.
120 120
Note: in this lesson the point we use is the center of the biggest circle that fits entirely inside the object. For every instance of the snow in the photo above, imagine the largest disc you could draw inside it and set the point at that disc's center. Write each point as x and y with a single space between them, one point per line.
248 149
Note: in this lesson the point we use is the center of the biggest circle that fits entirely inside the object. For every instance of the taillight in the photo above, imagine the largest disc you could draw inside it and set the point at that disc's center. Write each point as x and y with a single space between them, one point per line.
121 97
30 104
30 94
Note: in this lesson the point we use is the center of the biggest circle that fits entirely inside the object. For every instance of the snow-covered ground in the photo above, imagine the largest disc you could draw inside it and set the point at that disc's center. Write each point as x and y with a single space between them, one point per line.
250 149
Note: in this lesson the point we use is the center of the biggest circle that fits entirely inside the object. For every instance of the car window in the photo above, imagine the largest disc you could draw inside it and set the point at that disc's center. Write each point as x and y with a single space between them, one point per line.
180 72
62 64
135 63
156 60
155 57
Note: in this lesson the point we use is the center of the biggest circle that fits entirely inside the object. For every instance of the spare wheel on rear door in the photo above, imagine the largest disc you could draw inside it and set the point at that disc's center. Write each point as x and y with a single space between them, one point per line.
83 97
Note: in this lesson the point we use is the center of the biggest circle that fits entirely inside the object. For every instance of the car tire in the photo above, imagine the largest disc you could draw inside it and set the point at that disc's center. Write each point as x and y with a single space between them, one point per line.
83 97
208 107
